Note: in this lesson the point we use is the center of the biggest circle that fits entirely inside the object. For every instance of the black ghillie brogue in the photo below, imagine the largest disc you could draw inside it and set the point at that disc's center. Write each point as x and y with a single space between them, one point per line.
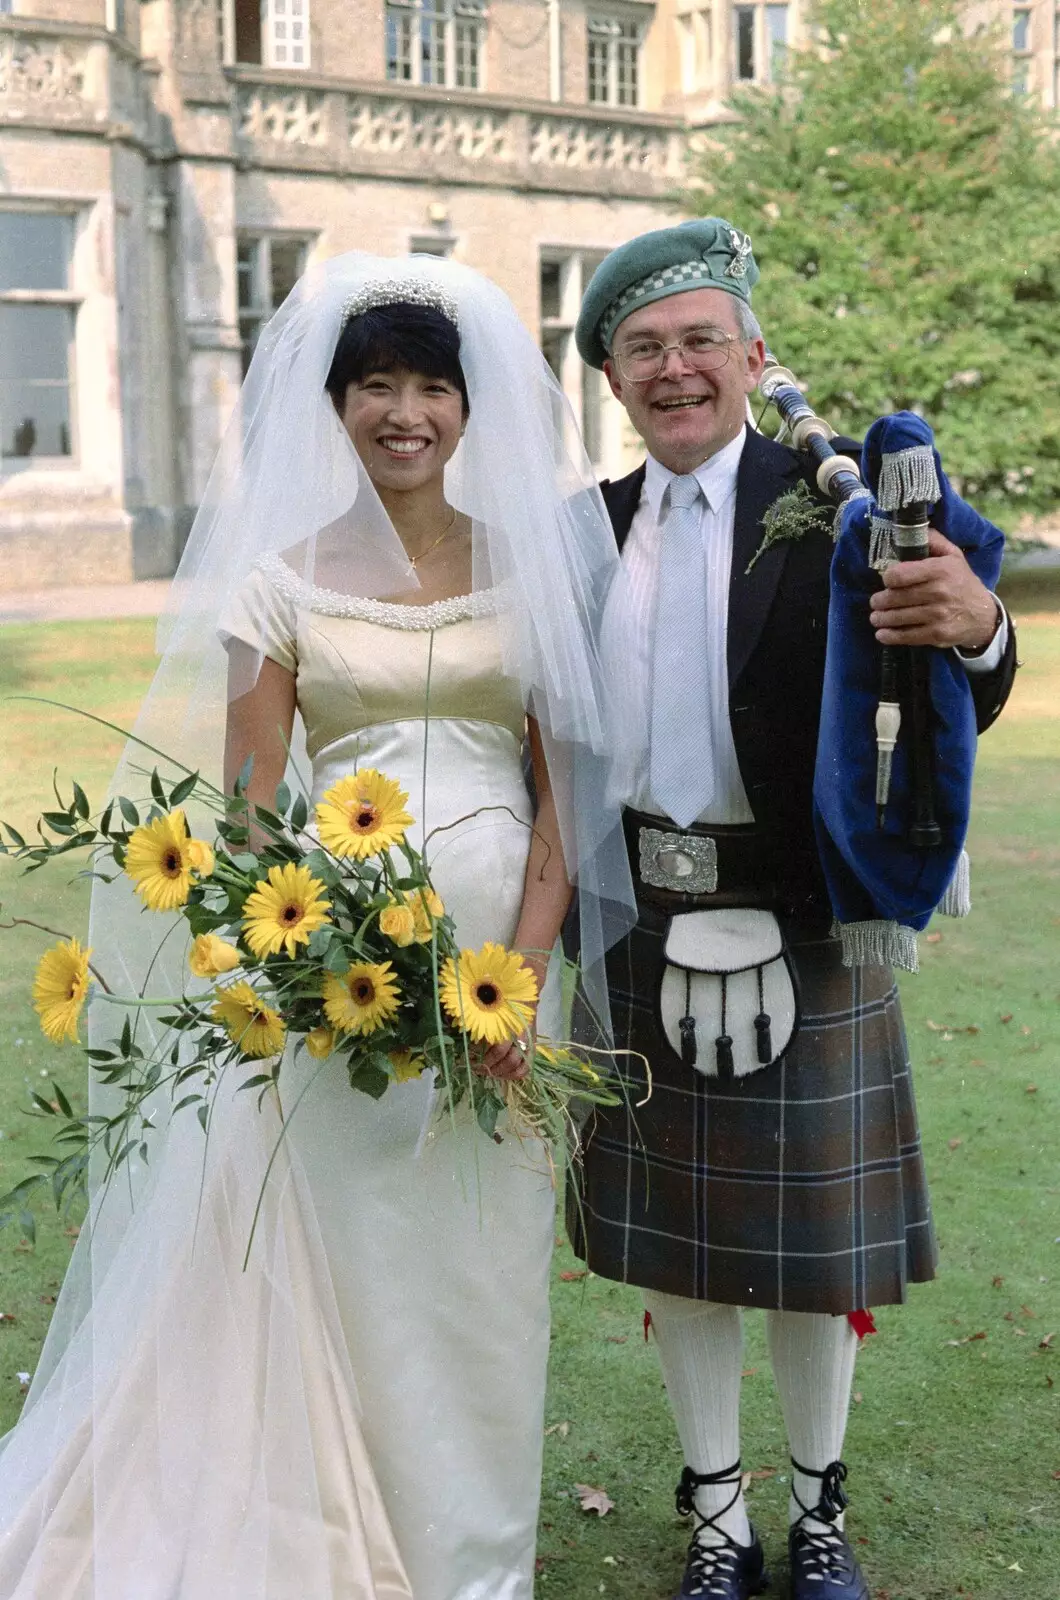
823 1566
721 1569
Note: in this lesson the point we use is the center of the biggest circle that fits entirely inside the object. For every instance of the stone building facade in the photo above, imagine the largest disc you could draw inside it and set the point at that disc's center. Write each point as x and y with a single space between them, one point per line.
167 168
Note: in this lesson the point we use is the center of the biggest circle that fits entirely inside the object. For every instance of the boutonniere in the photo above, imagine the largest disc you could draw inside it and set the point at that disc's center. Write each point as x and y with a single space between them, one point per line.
793 516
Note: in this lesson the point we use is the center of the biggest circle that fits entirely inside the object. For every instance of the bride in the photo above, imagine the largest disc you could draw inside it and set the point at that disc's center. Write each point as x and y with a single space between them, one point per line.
397 565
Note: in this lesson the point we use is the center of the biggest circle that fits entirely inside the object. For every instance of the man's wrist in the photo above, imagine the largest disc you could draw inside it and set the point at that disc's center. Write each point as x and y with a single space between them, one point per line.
973 652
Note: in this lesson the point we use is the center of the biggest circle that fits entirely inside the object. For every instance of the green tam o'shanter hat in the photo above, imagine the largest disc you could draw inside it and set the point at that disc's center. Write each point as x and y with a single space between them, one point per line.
708 253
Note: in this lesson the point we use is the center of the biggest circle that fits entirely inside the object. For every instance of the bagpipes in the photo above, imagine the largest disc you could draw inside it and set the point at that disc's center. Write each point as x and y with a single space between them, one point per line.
896 750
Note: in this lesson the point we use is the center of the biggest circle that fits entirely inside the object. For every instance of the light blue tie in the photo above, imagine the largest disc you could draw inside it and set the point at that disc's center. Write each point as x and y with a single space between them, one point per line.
682 738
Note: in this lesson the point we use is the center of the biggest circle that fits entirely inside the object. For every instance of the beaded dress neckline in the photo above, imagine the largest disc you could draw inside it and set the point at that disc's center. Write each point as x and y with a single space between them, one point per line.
388 613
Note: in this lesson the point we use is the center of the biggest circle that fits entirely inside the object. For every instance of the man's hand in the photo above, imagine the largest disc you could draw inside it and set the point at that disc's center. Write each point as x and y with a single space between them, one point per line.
937 601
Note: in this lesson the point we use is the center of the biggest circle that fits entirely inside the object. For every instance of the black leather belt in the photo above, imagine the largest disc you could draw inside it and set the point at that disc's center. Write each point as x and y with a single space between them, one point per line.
692 869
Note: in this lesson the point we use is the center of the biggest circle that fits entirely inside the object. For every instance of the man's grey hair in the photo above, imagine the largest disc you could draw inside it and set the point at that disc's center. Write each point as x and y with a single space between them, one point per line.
747 322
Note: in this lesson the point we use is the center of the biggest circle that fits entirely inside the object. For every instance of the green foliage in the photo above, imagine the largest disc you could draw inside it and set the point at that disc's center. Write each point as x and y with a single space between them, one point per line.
904 207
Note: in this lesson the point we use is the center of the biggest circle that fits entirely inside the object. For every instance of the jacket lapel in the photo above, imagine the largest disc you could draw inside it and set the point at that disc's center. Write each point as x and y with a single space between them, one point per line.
766 471
622 499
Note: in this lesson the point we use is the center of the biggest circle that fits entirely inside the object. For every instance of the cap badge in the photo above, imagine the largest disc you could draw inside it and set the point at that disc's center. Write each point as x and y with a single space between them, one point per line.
741 247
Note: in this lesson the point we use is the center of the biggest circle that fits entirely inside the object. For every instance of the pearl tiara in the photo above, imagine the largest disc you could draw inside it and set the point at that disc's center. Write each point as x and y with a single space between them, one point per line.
387 291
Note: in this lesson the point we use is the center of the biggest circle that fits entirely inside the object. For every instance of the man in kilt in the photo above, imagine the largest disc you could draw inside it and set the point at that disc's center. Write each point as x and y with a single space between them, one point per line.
786 1173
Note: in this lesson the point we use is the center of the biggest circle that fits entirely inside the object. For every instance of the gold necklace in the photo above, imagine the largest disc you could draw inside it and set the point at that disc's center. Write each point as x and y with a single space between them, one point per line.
446 531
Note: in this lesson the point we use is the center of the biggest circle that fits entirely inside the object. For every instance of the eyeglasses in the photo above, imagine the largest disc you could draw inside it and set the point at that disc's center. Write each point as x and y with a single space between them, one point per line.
703 349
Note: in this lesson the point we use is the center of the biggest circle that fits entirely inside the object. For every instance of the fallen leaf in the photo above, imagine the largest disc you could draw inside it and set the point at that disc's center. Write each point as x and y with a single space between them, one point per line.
955 1144
24 1380
7 1316
932 938
47 1299
948 1029
1032 1088
751 1372
592 1499
857 1397
562 1428
1044 1344
1025 1311
616 1338
1024 1030
970 1338
996 1282
1007 1017
572 1277
1015 1567
759 1475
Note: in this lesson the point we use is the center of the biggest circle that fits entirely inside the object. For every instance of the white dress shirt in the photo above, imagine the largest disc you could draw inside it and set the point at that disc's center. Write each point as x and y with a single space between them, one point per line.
629 625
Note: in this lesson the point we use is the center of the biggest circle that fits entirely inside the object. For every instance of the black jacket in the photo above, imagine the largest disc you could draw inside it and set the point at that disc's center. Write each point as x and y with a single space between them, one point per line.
777 631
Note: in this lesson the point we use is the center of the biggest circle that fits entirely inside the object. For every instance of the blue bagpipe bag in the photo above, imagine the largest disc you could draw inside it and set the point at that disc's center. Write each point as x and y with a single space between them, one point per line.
883 891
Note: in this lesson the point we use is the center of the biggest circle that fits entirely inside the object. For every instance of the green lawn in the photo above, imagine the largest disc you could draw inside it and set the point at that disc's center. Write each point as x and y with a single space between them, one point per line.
953 1438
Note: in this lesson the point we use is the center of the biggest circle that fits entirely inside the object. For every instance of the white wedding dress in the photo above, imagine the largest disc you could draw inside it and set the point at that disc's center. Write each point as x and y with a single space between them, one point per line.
358 1416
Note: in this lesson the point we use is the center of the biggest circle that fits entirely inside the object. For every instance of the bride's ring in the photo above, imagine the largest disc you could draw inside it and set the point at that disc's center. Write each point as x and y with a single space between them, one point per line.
524 1044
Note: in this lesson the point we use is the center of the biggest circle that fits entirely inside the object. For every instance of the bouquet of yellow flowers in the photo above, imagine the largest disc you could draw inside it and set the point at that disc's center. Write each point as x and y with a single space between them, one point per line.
326 936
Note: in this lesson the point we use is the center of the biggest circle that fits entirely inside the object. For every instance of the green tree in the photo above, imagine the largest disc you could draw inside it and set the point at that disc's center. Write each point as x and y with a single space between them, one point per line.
905 210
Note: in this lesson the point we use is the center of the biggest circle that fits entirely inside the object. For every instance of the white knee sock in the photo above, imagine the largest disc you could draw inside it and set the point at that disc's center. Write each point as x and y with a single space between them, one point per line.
813 1363
701 1351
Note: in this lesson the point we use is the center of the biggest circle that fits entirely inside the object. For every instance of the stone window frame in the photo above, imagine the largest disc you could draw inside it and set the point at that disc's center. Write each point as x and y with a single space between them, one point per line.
694 25
614 50
69 297
458 30
254 313
766 48
583 386
1022 52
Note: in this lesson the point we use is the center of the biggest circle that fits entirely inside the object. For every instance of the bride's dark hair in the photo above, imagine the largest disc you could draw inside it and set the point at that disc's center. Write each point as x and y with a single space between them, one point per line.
401 337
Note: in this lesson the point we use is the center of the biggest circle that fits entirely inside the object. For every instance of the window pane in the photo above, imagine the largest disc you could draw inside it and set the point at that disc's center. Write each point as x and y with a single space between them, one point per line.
285 268
549 290
246 274
248 31
399 45
554 346
745 41
777 36
598 71
34 250
628 54
1021 30
432 47
35 380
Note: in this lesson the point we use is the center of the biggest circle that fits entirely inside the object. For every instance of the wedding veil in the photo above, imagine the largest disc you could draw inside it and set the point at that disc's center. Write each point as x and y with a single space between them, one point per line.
128 1339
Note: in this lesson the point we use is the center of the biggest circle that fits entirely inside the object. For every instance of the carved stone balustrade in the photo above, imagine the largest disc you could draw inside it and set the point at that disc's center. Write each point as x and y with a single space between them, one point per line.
72 78
316 125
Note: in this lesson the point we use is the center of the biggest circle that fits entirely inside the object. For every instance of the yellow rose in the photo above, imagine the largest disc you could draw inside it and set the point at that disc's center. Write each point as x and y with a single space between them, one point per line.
320 1043
425 906
406 1065
210 955
201 857
433 903
398 923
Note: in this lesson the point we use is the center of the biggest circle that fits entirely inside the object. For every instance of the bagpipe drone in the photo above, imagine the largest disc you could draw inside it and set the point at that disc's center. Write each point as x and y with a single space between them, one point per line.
896 749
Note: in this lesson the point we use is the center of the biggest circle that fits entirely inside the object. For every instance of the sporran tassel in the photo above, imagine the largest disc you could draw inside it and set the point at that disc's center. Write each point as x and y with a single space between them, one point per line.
906 476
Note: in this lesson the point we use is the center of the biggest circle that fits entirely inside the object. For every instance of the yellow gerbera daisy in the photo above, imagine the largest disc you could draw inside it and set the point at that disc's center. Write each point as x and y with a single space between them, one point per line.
425 905
489 992
398 923
363 815
257 1029
60 989
363 999
406 1065
158 860
320 1042
210 955
284 910
201 856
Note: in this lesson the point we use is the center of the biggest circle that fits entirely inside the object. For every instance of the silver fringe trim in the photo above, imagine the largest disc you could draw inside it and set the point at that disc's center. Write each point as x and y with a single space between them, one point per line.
837 520
878 944
957 901
882 548
907 476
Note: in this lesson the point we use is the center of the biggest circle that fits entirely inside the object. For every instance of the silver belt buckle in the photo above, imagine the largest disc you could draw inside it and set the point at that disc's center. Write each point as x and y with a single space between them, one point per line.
684 863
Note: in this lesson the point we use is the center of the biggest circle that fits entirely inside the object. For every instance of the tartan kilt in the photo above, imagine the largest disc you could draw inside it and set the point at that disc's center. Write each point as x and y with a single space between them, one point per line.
798 1187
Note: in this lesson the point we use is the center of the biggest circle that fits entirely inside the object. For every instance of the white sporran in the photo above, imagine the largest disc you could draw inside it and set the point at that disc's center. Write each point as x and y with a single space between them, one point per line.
727 1001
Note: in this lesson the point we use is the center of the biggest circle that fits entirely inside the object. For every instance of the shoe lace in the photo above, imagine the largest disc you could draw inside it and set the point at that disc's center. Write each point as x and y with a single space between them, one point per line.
709 1565
826 1551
